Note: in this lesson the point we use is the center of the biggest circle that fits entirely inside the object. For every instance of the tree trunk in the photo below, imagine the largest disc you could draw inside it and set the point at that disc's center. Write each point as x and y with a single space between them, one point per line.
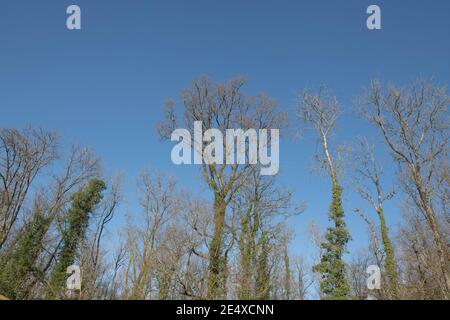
216 285
390 264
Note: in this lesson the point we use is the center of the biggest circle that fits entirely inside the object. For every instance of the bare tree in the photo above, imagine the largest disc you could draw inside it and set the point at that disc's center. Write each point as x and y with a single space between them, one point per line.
304 280
222 106
23 154
197 223
414 124
419 259
368 170
375 244
258 209
357 275
160 205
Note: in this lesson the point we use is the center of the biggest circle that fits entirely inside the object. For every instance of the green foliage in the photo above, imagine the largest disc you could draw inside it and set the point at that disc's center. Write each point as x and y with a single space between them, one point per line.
15 280
334 283
287 272
263 271
390 262
83 202
217 259
246 249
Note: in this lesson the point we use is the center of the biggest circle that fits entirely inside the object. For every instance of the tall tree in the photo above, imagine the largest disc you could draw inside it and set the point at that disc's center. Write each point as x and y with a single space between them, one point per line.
414 124
368 170
222 106
320 111
83 202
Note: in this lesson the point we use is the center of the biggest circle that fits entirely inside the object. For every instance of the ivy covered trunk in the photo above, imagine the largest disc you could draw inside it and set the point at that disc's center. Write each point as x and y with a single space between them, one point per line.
83 203
333 284
15 280
217 261
390 262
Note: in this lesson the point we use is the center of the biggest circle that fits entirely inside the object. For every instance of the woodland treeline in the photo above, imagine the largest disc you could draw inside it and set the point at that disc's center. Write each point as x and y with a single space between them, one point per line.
56 207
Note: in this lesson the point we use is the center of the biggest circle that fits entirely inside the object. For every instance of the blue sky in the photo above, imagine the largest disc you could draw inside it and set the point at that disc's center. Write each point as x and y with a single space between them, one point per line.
104 86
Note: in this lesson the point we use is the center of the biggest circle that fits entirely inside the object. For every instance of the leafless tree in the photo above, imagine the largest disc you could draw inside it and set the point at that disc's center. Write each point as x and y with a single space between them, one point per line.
23 155
258 209
367 183
304 279
197 222
414 124
419 259
160 205
319 112
357 275
375 245
222 106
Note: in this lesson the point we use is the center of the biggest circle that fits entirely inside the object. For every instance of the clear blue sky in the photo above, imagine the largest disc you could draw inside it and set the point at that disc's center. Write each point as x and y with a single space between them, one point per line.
104 86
